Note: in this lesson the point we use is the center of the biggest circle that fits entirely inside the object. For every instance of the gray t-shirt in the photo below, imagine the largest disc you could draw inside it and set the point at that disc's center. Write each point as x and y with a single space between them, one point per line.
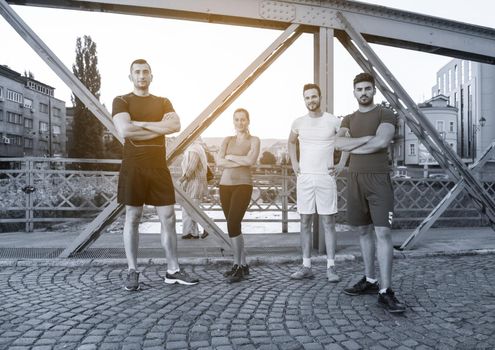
365 124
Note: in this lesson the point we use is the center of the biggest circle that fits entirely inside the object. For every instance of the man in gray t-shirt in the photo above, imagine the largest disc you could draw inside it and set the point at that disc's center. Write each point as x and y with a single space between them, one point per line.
370 196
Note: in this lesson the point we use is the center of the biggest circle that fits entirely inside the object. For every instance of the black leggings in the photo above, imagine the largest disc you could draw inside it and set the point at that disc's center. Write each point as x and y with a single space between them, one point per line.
235 201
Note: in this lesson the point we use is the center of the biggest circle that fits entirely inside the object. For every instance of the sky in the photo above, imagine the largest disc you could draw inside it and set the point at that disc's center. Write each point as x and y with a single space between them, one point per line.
193 62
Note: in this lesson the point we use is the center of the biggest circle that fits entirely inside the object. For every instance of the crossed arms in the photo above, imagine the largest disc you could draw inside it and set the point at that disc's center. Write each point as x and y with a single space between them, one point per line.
232 161
359 145
365 144
139 131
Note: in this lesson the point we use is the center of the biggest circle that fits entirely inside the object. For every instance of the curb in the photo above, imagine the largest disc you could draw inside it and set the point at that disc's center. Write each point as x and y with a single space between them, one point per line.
254 260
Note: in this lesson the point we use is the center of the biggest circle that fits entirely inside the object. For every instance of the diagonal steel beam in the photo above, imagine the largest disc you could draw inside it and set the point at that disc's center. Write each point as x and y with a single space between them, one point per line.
230 94
89 100
415 118
425 225
226 97
113 210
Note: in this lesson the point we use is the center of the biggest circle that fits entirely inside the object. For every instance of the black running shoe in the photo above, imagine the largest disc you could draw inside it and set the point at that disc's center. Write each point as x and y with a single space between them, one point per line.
245 269
181 277
132 280
190 236
363 287
236 276
388 301
231 271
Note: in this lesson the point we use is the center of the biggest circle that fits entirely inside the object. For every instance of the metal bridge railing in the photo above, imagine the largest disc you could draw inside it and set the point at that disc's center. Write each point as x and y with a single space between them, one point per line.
43 190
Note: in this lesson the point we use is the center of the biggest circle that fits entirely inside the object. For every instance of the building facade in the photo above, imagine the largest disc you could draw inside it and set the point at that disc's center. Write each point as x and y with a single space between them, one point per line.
470 87
444 118
32 120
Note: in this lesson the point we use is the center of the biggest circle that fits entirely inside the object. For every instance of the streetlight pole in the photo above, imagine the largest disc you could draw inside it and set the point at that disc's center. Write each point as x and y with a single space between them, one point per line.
476 130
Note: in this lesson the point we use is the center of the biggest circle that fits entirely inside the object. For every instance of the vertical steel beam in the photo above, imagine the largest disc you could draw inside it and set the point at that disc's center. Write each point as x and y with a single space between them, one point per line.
323 66
323 57
415 118
205 119
89 100
425 225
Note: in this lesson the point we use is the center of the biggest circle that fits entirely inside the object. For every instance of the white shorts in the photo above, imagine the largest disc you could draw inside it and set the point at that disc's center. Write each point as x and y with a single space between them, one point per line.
316 193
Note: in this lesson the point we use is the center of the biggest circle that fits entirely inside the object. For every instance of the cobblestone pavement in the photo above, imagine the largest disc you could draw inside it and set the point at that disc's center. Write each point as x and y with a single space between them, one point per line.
450 299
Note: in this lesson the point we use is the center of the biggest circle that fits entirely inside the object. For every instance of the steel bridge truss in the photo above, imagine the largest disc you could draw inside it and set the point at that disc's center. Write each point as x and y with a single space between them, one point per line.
354 24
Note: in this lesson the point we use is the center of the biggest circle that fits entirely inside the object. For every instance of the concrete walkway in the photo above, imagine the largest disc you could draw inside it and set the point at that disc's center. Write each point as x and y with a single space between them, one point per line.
260 247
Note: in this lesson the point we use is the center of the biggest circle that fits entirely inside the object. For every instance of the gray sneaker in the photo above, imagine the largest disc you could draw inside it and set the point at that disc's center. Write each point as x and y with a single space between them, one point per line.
303 272
180 277
331 275
132 280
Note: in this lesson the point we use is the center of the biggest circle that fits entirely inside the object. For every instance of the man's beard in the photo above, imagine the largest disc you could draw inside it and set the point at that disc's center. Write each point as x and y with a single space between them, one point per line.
313 107
366 102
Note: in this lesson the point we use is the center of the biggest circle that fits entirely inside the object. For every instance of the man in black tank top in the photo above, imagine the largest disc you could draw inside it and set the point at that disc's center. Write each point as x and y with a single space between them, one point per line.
143 120
370 196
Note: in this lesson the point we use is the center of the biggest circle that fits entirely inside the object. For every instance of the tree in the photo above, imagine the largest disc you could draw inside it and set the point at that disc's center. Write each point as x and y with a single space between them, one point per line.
87 141
28 74
268 158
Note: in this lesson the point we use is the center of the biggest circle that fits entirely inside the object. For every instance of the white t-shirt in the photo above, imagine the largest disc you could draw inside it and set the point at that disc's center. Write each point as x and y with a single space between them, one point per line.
316 142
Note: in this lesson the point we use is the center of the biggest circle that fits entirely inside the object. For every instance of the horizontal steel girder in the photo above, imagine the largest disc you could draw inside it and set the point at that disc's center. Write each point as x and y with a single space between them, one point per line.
378 24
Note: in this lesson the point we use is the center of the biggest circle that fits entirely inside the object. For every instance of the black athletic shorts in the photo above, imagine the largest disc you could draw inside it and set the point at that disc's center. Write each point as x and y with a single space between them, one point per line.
370 199
152 186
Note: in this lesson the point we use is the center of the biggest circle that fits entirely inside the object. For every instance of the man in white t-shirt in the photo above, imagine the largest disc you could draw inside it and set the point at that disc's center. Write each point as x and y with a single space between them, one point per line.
316 186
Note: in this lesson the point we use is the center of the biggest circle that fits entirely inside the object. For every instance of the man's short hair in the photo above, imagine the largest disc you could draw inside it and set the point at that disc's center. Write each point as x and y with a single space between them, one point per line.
139 61
312 86
363 77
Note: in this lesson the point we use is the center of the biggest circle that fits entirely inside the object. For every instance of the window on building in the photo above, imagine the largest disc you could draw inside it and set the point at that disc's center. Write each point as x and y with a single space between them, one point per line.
43 127
28 143
28 103
57 112
470 72
40 88
451 126
412 149
1 92
56 129
456 76
440 125
449 75
462 72
470 104
399 151
439 84
14 118
444 84
28 123
14 96
1 114
455 100
43 108
43 145
15 139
